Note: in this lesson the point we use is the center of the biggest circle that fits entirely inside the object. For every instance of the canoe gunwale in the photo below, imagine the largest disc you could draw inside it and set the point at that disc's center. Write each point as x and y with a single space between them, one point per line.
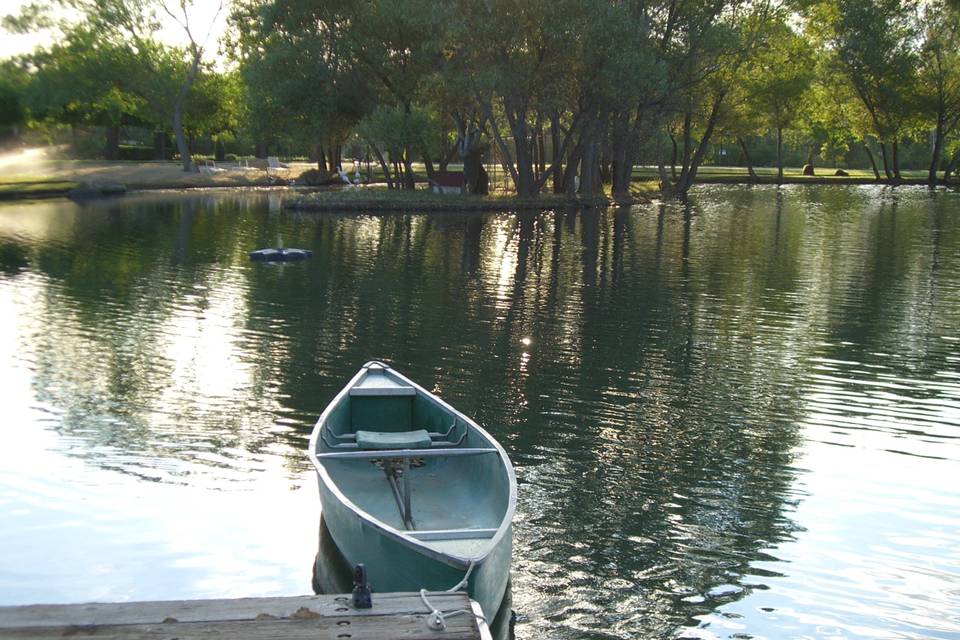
403 537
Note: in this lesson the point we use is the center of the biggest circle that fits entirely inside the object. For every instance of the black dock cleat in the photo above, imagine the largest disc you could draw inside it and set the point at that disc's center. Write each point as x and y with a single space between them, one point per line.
361 590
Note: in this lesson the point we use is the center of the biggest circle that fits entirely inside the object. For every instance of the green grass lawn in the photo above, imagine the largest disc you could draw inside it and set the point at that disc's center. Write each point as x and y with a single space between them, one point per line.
792 173
500 181
25 188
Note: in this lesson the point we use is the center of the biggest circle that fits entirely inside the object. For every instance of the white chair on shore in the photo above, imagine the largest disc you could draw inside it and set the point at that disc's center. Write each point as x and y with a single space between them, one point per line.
273 165
210 167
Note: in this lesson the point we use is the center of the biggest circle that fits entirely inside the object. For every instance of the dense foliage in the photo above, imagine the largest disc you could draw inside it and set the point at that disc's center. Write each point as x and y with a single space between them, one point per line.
565 95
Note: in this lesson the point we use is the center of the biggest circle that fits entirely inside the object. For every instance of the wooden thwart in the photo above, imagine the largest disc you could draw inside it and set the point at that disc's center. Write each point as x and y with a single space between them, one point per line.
394 615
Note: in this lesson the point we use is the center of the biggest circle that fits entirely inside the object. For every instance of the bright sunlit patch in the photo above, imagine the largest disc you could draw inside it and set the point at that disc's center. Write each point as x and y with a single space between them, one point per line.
526 341
22 161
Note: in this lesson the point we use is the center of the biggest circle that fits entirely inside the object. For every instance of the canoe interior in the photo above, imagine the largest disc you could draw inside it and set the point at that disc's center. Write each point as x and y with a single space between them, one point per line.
457 501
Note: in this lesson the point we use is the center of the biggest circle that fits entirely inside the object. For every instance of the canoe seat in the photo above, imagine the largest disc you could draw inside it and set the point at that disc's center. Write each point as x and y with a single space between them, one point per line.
376 440
452 534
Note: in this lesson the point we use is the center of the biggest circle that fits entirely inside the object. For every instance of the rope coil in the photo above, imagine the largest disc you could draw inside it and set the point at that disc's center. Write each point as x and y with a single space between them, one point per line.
437 621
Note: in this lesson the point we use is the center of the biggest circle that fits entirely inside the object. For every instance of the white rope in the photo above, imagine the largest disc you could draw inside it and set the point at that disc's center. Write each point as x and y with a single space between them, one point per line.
438 619
462 583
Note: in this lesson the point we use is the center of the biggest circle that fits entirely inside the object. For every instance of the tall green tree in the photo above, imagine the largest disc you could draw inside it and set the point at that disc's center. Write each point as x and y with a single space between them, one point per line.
127 33
74 83
12 113
298 86
939 76
872 42
777 78
392 45
717 42
14 78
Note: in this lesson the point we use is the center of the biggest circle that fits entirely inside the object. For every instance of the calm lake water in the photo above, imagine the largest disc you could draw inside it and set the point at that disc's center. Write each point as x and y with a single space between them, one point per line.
736 419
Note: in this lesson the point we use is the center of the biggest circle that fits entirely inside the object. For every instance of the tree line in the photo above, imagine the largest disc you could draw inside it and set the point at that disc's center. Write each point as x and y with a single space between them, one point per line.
567 95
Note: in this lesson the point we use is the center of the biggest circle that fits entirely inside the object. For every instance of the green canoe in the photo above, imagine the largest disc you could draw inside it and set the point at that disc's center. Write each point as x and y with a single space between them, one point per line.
414 489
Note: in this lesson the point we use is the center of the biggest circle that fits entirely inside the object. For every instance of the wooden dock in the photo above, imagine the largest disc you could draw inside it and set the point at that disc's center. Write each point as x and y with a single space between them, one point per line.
394 615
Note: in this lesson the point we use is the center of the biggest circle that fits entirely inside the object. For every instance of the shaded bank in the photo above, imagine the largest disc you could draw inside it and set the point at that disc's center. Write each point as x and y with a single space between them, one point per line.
377 199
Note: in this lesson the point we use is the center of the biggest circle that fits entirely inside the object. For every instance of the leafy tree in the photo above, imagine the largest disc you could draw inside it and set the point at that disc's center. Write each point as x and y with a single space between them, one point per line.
940 75
74 84
872 45
515 56
125 36
391 130
212 105
777 79
14 78
296 84
740 122
11 109
717 40
391 45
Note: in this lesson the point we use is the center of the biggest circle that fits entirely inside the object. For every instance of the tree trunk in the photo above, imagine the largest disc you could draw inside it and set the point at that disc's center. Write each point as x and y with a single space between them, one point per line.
886 161
896 160
506 159
181 138
590 158
689 173
525 183
687 152
111 149
219 151
472 172
673 157
666 184
384 167
569 181
541 151
746 156
397 173
427 163
523 176
604 172
935 155
408 181
623 144
555 149
558 154
447 158
780 155
873 161
516 111
470 151
321 158
260 149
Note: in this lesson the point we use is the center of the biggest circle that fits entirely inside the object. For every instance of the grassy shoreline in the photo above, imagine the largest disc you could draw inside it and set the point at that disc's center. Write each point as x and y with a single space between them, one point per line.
381 199
52 179
31 190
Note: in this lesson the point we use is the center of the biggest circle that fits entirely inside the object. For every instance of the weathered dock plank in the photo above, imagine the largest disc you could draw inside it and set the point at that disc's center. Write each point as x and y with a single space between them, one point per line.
394 615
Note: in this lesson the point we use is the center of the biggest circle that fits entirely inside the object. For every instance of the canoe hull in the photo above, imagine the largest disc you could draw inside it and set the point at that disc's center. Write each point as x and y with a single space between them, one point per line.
457 499
395 565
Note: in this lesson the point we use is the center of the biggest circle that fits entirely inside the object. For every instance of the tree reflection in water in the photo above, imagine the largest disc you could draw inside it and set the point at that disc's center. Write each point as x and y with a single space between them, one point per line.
646 369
